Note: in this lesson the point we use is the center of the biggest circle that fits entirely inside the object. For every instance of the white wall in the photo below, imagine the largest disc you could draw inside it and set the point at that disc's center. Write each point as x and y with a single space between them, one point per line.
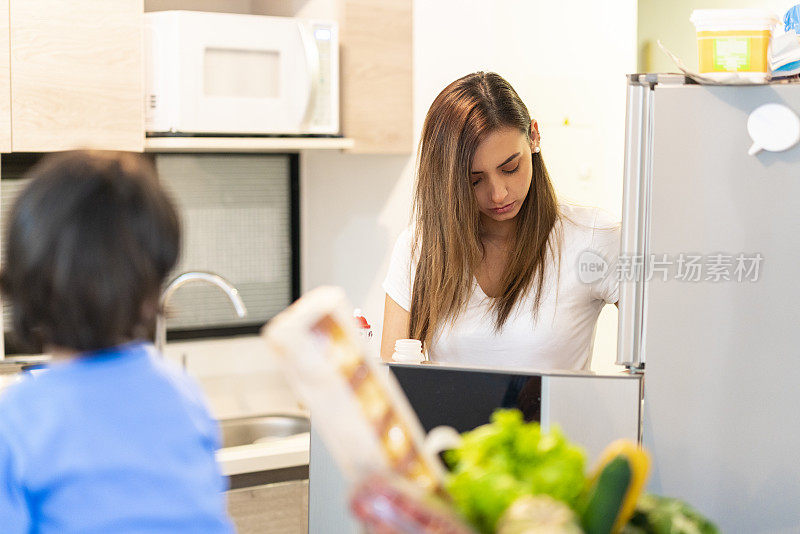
568 64
669 22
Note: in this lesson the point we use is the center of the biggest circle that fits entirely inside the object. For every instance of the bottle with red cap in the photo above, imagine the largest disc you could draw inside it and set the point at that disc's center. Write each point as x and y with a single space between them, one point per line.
362 324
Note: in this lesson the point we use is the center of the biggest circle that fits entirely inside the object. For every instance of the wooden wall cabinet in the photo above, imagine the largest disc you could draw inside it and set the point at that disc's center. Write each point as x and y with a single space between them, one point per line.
376 75
376 62
71 71
75 75
5 80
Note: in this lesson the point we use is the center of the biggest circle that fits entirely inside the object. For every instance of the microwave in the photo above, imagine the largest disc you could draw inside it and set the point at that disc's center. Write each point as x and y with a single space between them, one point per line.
232 74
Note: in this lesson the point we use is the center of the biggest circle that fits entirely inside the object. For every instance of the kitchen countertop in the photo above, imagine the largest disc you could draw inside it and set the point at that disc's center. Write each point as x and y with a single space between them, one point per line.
277 454
619 373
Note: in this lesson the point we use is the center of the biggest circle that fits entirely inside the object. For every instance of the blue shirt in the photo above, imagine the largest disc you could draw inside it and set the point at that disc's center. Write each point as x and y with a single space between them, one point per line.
114 441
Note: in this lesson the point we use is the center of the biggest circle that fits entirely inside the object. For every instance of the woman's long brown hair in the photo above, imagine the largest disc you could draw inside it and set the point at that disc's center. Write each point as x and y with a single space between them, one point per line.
447 240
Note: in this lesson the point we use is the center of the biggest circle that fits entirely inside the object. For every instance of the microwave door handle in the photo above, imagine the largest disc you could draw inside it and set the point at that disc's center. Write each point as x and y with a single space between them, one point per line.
312 60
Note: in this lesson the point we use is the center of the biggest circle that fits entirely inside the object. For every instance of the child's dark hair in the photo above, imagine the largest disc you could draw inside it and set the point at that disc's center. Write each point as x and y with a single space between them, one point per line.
89 244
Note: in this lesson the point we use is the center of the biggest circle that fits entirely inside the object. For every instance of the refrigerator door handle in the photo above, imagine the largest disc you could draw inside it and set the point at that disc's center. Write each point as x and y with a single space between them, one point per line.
632 262
643 270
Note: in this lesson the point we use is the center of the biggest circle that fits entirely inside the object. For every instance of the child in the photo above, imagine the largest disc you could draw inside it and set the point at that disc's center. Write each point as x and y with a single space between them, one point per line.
110 438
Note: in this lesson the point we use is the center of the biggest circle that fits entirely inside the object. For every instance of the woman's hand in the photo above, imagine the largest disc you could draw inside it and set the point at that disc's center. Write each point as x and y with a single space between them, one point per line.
396 321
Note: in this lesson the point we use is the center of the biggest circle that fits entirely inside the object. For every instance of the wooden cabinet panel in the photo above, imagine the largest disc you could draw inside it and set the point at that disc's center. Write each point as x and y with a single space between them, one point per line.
5 80
280 508
376 75
76 74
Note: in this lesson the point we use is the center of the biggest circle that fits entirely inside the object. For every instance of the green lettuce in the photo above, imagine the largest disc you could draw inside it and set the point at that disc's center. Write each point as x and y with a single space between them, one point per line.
499 462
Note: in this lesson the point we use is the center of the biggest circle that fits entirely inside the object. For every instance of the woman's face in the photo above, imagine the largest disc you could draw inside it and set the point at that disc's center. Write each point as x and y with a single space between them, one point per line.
501 172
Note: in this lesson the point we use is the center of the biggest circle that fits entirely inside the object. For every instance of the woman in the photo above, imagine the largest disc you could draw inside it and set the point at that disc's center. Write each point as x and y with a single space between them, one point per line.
495 271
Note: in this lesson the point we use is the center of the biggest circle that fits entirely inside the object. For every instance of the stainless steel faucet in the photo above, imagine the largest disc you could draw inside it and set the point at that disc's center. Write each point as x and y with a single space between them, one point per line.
185 278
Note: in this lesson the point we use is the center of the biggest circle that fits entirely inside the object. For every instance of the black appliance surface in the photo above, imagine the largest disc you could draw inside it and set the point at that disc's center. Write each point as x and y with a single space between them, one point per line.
465 399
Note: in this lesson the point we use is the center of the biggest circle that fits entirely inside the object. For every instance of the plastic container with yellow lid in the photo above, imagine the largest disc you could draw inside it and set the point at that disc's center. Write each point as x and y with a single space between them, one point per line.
733 40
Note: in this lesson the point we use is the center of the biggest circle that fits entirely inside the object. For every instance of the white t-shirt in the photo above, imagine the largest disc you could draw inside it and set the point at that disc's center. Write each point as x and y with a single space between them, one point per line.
563 335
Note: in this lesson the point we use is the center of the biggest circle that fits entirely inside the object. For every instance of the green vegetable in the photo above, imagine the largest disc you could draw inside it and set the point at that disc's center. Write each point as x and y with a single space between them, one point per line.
500 462
663 515
605 497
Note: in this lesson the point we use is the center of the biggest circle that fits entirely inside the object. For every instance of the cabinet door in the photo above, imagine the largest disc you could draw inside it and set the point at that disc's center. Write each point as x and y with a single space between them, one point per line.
376 66
5 81
76 74
280 508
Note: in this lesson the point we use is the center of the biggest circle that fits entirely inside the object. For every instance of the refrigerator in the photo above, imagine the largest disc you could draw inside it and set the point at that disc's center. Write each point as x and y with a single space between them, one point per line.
710 299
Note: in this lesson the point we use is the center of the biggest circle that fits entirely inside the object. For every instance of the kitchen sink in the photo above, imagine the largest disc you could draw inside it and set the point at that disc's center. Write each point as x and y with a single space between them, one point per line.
260 429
